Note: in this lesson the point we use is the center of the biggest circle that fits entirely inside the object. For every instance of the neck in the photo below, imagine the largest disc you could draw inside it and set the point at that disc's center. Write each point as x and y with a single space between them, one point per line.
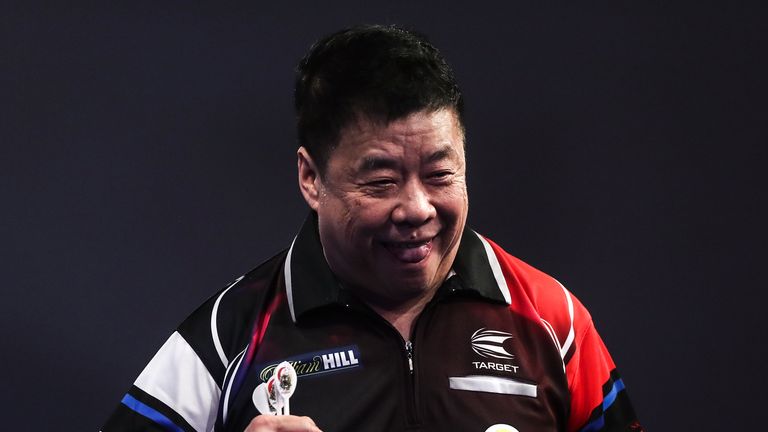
402 315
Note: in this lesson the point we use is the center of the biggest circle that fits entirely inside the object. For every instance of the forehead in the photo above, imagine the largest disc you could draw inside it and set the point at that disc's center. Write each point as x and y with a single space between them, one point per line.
422 133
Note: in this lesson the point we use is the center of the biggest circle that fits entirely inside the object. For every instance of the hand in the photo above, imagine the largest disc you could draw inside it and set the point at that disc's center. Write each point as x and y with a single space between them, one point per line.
287 423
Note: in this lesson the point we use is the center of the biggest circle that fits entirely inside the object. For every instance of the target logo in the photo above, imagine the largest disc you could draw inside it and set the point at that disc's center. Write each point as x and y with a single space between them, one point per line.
490 343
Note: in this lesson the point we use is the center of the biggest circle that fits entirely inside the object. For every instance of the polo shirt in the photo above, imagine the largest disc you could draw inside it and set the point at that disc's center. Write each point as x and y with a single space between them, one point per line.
501 347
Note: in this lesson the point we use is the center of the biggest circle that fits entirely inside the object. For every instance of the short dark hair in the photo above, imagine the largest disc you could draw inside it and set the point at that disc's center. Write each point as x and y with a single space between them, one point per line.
382 73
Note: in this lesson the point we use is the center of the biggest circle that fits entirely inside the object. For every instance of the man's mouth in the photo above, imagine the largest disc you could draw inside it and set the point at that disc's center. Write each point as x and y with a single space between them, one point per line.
409 252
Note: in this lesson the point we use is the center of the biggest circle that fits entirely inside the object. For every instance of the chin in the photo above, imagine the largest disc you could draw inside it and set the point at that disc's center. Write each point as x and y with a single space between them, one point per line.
413 284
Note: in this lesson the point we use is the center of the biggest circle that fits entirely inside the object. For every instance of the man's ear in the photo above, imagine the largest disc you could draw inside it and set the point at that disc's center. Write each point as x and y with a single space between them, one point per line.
310 182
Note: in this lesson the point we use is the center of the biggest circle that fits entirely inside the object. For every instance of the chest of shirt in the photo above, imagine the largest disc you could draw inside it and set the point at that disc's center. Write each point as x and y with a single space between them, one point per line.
470 365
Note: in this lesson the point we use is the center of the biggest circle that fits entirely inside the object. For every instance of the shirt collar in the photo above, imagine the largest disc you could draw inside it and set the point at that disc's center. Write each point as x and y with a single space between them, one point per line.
311 284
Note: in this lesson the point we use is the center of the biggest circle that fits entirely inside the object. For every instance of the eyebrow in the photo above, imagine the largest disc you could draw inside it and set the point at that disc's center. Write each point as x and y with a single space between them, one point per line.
373 163
444 153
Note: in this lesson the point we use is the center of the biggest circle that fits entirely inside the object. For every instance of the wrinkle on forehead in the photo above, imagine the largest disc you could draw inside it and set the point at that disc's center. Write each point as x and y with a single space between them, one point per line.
402 128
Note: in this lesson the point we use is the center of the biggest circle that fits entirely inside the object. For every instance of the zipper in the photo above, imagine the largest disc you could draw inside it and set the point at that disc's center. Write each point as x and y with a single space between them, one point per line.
413 420
411 406
409 355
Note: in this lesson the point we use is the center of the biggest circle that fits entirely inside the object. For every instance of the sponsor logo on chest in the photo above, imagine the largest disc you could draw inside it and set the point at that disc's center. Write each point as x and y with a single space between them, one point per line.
493 346
501 367
318 362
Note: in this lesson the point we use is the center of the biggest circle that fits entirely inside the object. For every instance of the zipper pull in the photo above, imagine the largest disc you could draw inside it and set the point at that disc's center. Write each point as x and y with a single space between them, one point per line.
409 354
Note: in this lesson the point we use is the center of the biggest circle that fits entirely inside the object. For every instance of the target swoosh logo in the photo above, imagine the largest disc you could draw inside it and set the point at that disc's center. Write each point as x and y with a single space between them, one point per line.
489 343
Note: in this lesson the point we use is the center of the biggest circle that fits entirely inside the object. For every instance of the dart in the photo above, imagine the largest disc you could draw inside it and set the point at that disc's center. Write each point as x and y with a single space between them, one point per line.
280 387
273 396
286 384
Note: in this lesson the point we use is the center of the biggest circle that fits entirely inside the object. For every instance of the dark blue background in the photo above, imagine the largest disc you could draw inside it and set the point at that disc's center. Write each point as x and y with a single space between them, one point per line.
148 158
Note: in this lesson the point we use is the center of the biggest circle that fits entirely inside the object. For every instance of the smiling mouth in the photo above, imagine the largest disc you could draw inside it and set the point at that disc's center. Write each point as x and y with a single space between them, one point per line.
409 252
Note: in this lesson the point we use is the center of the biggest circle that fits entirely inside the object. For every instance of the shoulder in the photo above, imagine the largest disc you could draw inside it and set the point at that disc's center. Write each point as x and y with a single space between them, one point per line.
219 329
596 389
540 297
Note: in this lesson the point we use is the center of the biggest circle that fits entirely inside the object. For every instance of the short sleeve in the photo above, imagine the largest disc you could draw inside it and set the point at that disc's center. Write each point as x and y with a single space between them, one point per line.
599 401
175 392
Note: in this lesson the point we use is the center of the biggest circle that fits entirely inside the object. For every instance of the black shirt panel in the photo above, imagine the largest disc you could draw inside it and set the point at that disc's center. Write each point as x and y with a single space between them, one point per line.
370 393
245 301
443 350
239 303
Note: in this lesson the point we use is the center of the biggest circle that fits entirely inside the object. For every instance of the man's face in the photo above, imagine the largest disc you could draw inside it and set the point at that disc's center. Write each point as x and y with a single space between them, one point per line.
392 205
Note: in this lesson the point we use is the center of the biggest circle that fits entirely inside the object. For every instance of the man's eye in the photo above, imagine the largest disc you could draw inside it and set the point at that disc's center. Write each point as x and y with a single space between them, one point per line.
380 183
440 175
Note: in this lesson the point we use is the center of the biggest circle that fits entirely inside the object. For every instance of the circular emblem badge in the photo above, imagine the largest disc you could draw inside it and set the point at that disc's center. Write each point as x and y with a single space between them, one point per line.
501 428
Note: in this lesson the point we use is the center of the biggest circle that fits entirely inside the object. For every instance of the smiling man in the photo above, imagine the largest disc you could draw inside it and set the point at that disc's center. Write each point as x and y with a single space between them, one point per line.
394 314
391 206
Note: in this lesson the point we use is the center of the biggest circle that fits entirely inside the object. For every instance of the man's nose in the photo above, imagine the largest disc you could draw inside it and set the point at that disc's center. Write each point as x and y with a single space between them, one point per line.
414 206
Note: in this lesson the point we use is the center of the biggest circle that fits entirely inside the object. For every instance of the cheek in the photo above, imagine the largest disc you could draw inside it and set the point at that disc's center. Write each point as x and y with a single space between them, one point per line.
361 217
453 203
371 214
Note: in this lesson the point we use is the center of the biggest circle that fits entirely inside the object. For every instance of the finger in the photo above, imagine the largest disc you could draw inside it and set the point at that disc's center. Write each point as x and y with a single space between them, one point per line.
288 423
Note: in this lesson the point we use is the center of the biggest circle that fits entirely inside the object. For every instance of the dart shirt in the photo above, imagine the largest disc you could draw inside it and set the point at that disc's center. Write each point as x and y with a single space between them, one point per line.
502 347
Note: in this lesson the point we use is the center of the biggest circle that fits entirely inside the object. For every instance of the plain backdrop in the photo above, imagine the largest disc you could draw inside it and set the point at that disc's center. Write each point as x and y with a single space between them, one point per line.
148 159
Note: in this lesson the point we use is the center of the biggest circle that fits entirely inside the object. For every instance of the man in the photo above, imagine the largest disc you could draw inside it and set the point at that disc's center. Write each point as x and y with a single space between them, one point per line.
394 314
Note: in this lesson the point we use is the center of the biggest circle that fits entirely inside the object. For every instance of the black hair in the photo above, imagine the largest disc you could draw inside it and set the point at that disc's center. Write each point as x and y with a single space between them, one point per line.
380 73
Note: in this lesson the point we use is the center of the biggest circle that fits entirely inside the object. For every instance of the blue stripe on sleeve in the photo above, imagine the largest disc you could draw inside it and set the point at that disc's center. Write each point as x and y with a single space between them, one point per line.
150 413
598 423
595 425
611 396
